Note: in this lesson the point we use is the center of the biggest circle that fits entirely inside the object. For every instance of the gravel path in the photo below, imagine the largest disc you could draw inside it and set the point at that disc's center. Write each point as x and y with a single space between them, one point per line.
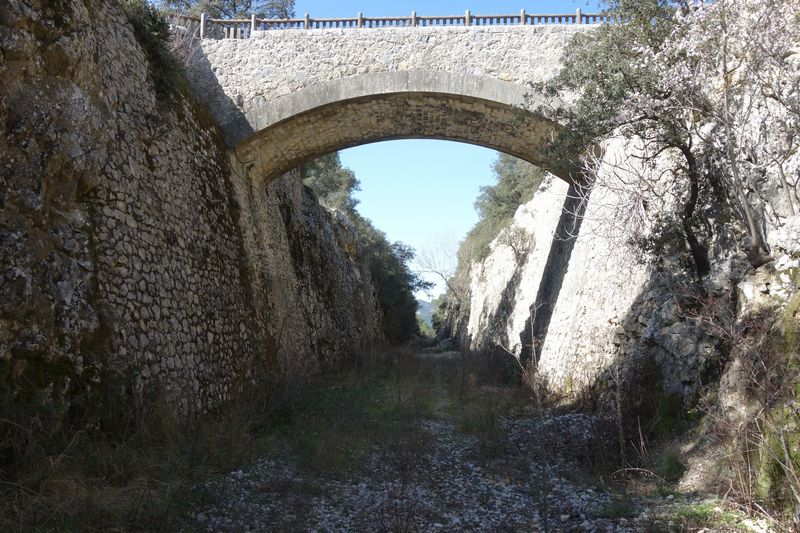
449 485
526 473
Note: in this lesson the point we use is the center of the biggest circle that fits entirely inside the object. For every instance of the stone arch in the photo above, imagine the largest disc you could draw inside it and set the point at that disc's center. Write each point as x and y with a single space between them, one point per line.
398 105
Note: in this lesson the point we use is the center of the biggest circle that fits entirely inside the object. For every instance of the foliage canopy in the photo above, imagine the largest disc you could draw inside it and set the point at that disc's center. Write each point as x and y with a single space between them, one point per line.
516 183
387 262
229 9
701 85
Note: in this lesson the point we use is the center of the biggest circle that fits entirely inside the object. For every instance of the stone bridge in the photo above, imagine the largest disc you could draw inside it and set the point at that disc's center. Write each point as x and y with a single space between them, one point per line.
283 96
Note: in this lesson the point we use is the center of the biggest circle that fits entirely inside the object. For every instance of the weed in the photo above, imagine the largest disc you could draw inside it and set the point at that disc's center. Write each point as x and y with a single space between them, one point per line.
335 422
617 508
153 34
707 514
669 465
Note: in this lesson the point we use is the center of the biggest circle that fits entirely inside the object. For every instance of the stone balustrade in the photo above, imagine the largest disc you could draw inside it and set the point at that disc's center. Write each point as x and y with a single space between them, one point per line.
210 28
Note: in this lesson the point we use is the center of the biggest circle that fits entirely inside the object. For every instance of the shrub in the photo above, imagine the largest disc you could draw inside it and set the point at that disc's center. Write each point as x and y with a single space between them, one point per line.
388 263
153 34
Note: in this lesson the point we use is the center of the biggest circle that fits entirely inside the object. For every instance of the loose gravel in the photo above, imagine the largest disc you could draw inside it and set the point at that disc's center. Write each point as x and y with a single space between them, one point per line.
450 485
533 473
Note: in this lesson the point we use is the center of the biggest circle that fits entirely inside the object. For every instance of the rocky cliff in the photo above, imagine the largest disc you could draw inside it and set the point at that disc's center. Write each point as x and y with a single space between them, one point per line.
129 261
601 311
311 290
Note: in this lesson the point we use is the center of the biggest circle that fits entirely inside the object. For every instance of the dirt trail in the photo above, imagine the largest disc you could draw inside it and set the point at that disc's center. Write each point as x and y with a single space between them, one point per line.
417 446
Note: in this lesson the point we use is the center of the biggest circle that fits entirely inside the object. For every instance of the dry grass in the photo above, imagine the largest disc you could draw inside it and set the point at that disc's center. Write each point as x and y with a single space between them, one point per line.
139 480
139 476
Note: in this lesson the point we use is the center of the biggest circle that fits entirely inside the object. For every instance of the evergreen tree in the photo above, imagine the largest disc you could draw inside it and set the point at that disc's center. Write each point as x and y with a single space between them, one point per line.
388 263
333 184
692 80
231 9
517 180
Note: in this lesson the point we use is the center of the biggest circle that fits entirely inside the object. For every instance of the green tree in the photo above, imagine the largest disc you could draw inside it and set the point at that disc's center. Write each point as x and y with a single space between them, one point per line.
388 263
229 9
678 78
332 183
394 281
517 180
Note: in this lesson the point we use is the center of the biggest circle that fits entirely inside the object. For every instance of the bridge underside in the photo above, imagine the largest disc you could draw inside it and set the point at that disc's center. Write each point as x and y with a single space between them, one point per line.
288 143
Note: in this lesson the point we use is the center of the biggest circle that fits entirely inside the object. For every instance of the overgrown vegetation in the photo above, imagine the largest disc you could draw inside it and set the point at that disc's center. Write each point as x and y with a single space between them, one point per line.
708 94
388 262
232 9
762 441
153 34
330 425
517 181
126 472
145 475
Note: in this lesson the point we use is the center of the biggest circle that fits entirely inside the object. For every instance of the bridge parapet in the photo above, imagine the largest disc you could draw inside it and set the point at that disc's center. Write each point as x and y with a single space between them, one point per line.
283 97
210 28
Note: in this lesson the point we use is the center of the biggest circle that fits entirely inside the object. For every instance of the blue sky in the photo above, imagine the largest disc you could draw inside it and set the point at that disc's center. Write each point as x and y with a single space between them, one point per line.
421 192
350 8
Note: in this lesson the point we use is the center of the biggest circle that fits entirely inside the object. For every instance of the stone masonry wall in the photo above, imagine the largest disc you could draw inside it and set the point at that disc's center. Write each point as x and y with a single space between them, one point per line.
126 257
603 311
312 294
253 83
121 251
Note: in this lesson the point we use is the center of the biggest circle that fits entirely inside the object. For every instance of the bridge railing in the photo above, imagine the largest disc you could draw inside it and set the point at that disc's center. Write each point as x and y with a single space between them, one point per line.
210 28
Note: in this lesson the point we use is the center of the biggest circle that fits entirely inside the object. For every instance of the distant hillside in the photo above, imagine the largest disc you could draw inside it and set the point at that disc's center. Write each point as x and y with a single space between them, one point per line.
425 311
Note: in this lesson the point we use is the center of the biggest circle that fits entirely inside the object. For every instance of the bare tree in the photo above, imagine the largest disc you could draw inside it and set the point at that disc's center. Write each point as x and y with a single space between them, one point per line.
519 240
439 261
